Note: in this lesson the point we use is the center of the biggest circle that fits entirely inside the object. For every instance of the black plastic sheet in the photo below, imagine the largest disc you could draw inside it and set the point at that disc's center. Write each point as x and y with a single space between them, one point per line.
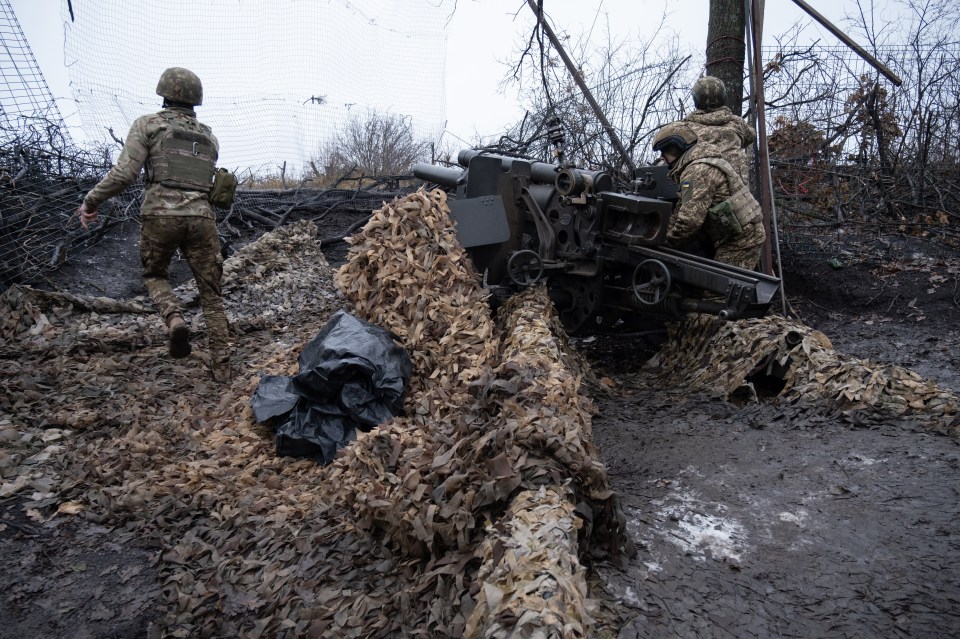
352 376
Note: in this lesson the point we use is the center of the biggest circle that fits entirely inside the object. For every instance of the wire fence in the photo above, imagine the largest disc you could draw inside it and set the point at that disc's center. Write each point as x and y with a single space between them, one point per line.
848 148
23 90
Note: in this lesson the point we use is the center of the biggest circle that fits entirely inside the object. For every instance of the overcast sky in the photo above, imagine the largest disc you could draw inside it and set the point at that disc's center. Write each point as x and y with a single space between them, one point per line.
481 37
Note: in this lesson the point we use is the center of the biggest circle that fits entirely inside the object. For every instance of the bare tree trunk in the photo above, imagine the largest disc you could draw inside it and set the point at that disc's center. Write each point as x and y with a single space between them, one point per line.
726 49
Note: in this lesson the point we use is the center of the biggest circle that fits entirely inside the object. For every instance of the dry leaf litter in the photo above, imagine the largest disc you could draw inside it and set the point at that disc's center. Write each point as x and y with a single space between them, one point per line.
463 518
388 539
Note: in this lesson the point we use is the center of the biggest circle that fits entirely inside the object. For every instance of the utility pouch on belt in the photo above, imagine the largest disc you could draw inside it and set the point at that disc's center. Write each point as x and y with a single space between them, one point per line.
224 189
724 224
726 220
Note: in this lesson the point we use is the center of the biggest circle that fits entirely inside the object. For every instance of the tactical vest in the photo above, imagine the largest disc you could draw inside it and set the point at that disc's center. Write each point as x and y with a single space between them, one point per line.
728 141
187 155
744 206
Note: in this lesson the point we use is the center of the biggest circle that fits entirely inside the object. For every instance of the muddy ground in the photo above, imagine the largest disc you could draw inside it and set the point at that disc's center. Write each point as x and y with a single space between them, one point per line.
751 520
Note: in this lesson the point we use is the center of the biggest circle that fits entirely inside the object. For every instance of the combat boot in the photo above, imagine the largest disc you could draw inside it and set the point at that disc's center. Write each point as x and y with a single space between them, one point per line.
179 337
221 366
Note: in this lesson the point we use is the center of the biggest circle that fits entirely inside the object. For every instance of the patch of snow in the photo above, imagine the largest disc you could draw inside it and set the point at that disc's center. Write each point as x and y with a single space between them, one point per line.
695 527
794 518
699 533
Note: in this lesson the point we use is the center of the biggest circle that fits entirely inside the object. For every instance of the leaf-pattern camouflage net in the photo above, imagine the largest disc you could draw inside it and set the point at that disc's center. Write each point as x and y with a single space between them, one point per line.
536 545
528 424
721 358
407 272
416 529
386 541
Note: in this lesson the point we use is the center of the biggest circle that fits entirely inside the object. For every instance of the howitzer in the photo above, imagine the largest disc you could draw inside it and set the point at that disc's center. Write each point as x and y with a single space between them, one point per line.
599 249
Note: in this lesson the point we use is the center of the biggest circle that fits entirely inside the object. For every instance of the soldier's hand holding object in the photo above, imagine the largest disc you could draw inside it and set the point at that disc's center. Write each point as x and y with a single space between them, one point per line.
87 216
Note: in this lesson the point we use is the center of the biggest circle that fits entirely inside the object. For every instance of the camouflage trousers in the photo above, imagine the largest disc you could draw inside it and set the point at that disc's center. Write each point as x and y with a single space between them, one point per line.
743 251
196 237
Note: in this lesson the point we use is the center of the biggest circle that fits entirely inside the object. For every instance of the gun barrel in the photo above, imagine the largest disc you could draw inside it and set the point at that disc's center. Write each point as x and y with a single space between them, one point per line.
540 172
442 175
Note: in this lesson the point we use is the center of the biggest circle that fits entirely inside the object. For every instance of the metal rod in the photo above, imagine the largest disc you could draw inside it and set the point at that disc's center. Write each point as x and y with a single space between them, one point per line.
751 98
764 151
768 203
614 138
847 40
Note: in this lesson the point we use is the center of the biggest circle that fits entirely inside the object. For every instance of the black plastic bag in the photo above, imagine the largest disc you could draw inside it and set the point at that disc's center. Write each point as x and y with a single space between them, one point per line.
352 376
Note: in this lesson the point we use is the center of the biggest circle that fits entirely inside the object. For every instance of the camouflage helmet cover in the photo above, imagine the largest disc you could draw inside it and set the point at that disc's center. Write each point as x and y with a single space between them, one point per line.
675 134
709 93
180 85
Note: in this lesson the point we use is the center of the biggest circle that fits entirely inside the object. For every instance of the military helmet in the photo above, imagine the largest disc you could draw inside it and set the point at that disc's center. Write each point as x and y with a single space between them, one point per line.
180 85
675 134
709 93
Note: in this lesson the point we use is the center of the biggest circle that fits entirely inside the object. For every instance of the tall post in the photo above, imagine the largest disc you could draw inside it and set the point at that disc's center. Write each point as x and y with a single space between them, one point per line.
756 37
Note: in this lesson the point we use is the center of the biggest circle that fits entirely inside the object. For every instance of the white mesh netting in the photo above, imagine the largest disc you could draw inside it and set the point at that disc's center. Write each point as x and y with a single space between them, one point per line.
279 78
25 98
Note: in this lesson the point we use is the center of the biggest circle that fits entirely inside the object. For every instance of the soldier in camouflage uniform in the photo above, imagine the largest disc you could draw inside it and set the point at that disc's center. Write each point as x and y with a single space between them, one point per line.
178 154
713 198
715 123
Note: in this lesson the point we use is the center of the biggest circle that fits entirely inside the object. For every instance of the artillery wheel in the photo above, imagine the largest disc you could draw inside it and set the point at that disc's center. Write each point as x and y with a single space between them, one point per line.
577 300
525 268
651 282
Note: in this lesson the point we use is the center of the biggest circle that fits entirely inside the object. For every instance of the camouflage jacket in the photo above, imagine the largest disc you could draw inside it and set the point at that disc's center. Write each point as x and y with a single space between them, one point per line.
701 186
728 132
142 141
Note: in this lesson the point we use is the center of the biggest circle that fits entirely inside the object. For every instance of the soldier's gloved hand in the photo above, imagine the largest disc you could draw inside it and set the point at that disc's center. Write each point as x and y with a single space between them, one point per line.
87 216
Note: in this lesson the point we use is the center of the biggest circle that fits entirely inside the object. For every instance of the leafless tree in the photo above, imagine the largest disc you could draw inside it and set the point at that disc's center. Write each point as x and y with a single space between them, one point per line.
379 144
726 48
882 153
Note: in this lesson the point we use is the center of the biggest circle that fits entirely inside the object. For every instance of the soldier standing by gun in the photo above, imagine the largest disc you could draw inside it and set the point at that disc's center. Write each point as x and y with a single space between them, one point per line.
715 123
713 198
179 155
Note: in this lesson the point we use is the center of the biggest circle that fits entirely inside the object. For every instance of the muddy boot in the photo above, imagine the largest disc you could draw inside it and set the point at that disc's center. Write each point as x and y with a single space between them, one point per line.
179 337
221 366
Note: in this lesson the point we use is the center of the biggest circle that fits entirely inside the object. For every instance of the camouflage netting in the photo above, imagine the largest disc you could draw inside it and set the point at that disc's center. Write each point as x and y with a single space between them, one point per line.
387 540
722 359
407 272
464 518
533 584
